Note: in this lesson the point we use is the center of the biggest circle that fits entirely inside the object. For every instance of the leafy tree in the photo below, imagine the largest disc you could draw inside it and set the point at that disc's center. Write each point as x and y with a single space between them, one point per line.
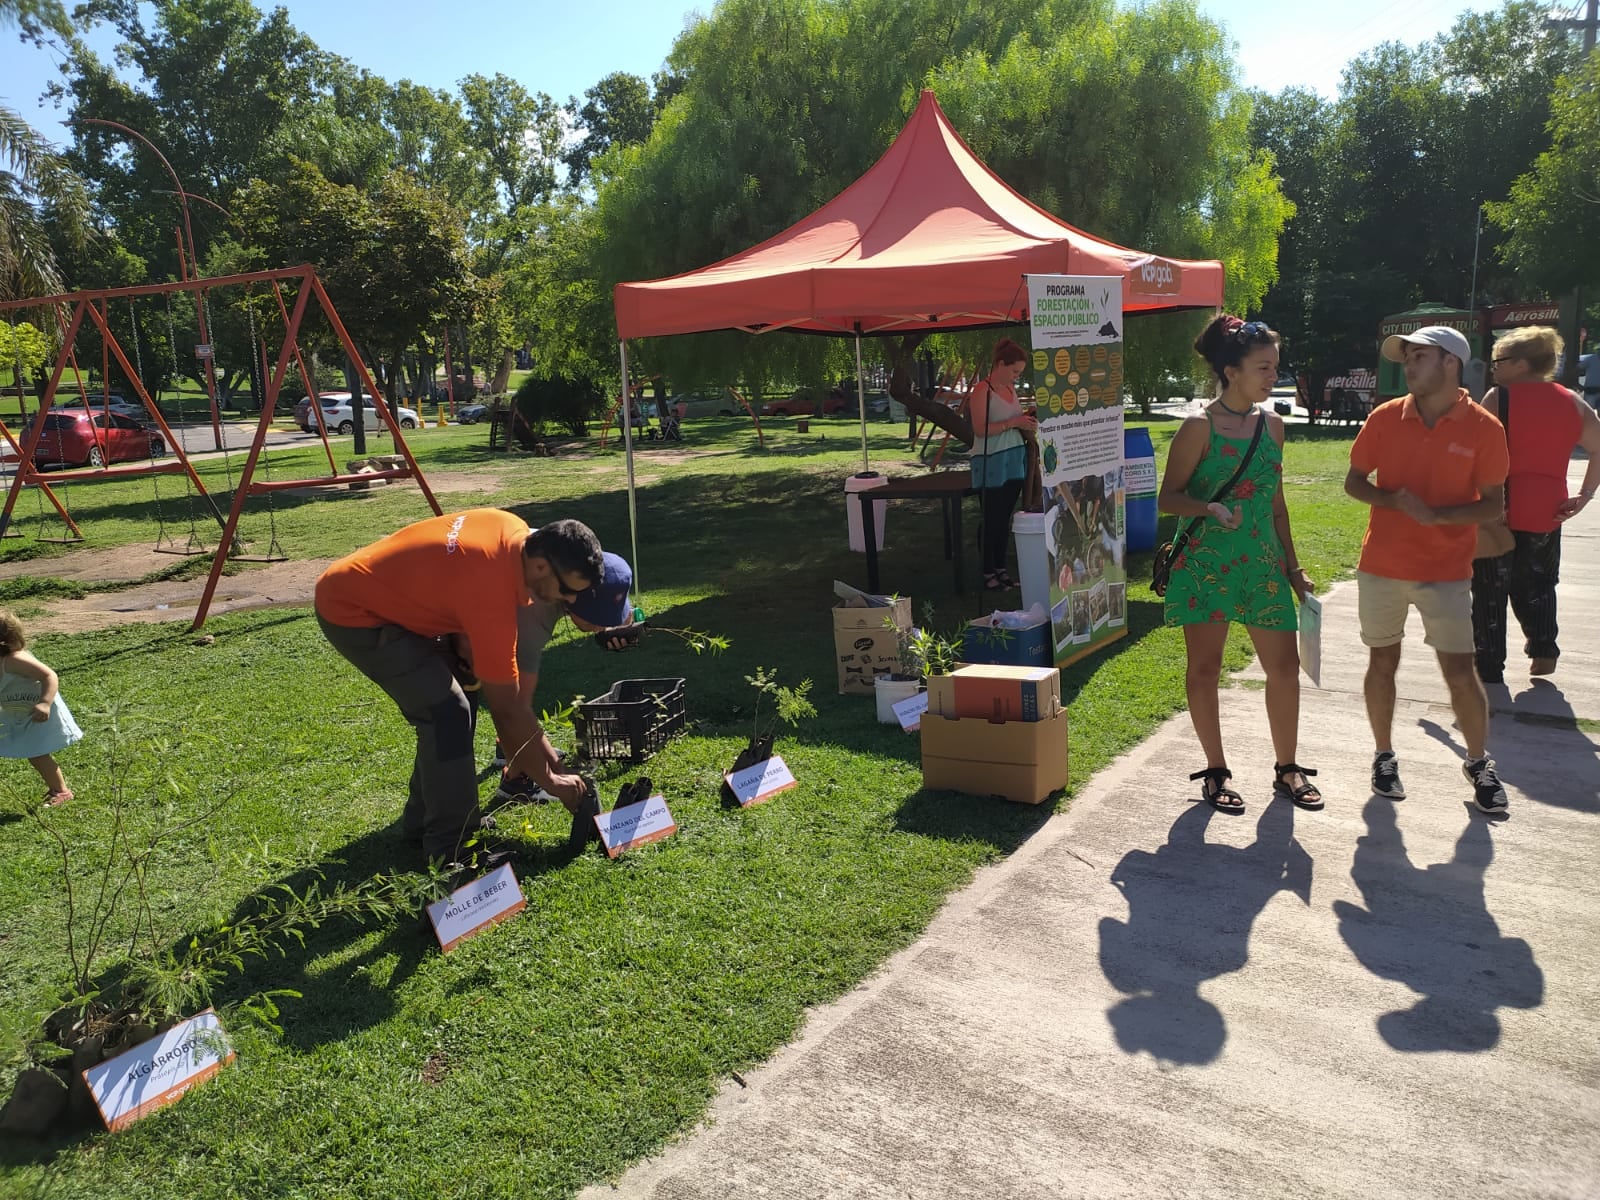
24 350
519 135
1551 218
1387 180
1127 123
434 143
395 262
616 111
33 175
215 85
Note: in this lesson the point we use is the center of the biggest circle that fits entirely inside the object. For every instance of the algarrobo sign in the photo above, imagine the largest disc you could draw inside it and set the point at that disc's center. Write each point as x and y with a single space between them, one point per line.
155 1073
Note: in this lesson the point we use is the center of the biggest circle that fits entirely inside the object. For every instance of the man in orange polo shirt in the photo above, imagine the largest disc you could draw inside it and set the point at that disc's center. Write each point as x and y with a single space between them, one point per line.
385 607
1441 463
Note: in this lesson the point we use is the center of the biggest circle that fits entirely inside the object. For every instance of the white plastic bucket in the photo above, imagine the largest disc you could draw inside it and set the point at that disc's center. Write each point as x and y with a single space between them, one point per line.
864 482
1032 531
890 692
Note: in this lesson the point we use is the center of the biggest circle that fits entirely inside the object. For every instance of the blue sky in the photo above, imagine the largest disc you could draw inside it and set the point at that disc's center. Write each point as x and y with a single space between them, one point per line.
564 48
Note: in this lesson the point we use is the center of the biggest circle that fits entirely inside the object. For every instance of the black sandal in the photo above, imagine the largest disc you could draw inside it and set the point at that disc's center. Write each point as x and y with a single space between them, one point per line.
992 582
1216 792
1306 795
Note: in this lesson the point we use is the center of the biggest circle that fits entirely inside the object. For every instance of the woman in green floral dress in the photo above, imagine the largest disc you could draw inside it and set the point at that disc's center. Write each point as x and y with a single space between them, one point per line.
1239 566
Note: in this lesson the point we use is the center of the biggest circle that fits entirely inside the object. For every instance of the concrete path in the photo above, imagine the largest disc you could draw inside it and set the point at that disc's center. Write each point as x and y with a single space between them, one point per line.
1149 999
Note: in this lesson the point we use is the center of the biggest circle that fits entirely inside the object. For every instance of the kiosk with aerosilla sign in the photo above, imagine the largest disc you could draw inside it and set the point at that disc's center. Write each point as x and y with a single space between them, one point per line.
1481 327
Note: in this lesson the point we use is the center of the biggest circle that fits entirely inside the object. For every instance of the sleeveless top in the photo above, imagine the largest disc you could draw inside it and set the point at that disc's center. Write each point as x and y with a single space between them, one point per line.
1544 426
999 457
1234 575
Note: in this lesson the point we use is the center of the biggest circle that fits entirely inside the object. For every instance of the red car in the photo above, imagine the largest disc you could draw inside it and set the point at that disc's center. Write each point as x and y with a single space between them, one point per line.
803 406
68 439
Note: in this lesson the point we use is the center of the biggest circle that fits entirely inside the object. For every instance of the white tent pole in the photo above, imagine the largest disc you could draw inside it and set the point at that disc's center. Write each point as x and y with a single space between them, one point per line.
627 442
861 402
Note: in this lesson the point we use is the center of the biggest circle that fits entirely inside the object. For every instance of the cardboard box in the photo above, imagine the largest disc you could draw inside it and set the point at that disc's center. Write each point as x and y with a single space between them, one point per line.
996 693
1028 647
864 646
1021 761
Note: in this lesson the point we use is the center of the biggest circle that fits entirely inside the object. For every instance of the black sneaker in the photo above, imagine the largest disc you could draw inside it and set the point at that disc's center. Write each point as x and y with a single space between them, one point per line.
1386 776
521 789
1487 793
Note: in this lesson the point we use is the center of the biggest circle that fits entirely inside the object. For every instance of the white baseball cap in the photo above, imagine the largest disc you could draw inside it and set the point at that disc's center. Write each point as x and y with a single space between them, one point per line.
1449 340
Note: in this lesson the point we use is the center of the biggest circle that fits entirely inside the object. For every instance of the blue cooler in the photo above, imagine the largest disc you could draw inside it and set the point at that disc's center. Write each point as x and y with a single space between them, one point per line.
1028 647
1139 484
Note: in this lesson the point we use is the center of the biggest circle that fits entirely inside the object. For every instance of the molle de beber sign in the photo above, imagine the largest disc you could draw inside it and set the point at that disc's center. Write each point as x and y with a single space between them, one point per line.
1075 323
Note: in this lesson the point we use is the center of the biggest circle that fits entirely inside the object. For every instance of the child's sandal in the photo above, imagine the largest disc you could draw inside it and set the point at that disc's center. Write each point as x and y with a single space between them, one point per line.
57 799
1214 790
1306 795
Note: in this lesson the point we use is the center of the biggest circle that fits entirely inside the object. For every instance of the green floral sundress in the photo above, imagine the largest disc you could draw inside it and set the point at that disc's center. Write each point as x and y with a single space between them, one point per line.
1238 574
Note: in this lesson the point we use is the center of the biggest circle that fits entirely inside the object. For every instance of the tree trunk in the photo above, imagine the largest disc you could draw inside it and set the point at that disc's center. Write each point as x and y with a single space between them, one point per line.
902 387
502 377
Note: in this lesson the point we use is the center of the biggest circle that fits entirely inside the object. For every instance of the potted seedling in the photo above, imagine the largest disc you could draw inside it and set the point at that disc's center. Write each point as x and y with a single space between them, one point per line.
921 653
786 704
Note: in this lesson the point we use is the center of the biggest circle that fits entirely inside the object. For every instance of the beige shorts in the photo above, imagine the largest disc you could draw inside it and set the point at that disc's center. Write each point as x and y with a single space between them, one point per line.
1446 610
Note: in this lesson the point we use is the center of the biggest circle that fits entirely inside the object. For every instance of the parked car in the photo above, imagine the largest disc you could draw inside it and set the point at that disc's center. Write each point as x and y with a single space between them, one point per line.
701 404
98 403
338 416
471 414
800 405
69 439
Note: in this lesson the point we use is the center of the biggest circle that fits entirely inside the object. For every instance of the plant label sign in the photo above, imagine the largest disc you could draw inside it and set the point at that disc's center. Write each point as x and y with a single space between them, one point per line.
155 1073
910 710
475 906
762 782
635 825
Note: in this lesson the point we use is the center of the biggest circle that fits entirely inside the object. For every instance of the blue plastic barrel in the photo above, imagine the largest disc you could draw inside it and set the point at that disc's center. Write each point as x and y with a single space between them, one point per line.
1139 484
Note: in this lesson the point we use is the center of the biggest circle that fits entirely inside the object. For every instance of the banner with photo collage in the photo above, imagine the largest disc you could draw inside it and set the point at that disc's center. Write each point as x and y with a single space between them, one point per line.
1076 327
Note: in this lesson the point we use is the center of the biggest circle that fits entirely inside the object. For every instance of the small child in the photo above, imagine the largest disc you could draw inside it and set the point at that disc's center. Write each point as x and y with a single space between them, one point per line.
34 720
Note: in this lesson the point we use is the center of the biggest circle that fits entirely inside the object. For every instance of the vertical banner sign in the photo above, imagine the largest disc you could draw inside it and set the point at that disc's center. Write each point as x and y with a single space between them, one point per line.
1076 326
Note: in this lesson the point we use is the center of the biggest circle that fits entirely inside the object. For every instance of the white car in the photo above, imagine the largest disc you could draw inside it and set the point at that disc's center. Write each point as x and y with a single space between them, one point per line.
338 416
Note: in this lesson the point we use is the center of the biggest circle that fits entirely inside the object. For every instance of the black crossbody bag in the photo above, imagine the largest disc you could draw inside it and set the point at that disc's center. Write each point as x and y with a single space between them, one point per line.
1166 555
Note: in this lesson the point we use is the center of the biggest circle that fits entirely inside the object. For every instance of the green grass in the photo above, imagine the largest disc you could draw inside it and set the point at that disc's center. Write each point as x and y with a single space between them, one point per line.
565 1044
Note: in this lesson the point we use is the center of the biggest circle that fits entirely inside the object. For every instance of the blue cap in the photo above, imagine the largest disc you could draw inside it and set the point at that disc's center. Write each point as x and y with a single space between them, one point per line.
606 604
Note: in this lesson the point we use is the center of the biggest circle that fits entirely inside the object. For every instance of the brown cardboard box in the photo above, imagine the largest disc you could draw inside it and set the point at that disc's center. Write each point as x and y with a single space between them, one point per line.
1022 761
996 693
864 646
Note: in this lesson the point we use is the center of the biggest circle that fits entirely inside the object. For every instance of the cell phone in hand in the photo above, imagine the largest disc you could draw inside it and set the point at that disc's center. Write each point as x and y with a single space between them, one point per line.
627 634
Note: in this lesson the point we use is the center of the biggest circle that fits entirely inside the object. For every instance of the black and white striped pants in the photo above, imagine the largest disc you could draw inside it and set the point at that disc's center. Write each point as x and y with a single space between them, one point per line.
1527 576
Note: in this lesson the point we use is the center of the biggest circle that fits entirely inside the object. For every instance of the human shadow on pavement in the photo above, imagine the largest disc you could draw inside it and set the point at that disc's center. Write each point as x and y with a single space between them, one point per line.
1529 769
1191 906
1430 929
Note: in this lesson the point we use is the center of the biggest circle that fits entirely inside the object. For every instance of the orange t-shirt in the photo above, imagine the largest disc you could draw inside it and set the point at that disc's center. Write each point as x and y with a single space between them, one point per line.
1450 464
459 573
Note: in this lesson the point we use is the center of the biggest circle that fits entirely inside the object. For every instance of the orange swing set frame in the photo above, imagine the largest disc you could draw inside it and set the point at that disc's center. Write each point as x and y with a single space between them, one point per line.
93 305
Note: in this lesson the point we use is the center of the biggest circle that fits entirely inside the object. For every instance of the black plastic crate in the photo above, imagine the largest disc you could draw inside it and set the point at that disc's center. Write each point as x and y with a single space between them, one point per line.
631 721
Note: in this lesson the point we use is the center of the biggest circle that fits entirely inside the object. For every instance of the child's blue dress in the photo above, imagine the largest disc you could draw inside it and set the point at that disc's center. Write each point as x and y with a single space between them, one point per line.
20 735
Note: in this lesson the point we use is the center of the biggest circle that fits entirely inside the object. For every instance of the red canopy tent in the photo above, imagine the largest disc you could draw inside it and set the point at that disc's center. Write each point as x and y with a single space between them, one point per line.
928 239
